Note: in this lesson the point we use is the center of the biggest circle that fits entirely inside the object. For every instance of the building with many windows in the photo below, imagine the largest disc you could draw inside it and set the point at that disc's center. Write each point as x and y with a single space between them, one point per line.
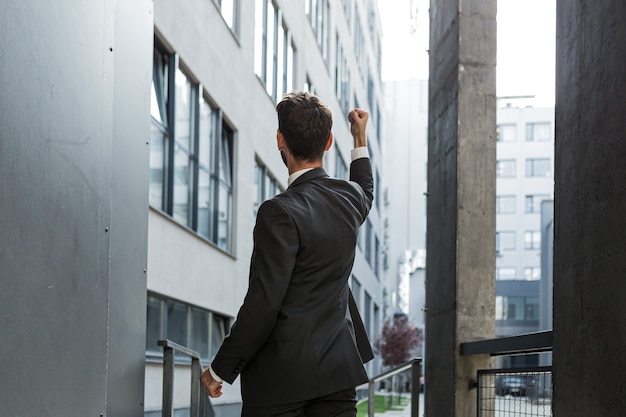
525 179
219 69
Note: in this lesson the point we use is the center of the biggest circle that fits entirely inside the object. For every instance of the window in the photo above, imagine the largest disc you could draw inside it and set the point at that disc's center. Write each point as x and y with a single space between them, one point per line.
505 241
356 291
317 12
538 132
533 202
184 146
506 168
160 131
532 273
367 314
347 9
532 239
273 50
368 241
505 204
376 256
538 167
228 8
506 133
358 43
377 187
191 154
517 308
379 129
506 273
341 170
201 330
370 91
265 185
342 78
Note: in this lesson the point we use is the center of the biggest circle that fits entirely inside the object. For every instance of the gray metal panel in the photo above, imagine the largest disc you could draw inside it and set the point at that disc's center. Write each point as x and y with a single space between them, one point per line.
57 150
132 54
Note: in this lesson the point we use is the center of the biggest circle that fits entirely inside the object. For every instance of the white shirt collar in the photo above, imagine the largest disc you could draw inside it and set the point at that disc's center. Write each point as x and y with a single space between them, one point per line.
296 175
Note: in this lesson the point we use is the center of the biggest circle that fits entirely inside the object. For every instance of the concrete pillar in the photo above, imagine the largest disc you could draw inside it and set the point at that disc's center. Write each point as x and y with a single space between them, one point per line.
74 127
460 267
589 359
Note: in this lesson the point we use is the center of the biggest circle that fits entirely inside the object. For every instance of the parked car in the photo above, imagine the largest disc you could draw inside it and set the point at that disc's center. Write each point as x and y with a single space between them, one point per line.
511 385
539 388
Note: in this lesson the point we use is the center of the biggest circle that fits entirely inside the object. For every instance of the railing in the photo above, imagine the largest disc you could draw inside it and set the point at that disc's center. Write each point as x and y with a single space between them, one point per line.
414 366
200 405
513 391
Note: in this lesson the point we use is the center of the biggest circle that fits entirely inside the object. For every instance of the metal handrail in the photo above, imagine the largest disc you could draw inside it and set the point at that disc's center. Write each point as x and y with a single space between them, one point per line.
413 364
200 405
511 345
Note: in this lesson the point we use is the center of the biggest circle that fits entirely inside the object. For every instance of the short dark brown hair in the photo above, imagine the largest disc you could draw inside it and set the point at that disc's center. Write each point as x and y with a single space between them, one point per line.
305 122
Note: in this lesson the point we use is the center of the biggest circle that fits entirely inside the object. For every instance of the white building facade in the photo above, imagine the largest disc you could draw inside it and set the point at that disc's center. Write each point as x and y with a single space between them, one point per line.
525 178
220 67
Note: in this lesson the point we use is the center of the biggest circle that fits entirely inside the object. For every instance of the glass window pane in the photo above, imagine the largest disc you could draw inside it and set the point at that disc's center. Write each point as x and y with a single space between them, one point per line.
182 182
506 168
158 139
290 60
183 110
228 12
259 38
158 94
538 167
206 133
224 222
532 308
506 273
272 15
505 204
506 133
200 332
154 324
204 201
219 330
176 316
280 59
356 291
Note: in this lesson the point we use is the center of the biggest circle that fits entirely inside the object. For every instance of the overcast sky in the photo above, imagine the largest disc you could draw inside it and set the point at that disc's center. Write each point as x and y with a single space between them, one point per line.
526 45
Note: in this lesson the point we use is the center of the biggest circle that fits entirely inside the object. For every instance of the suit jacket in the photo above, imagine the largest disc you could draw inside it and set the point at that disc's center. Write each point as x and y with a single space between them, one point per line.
294 338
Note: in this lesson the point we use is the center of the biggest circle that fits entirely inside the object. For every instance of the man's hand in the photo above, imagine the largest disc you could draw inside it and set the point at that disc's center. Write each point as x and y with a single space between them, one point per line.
211 386
358 121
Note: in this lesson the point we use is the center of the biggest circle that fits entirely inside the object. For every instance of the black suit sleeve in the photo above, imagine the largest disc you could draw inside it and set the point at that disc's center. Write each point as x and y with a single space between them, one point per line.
271 267
361 173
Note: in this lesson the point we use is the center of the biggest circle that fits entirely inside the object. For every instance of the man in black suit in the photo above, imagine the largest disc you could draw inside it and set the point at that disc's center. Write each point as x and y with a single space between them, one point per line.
298 340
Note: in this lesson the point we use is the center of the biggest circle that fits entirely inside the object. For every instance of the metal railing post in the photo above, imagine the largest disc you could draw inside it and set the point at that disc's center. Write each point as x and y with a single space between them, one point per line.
371 399
168 381
415 387
196 369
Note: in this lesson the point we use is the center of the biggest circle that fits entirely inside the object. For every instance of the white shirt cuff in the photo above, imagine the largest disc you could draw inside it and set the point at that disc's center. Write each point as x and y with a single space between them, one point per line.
360 152
214 375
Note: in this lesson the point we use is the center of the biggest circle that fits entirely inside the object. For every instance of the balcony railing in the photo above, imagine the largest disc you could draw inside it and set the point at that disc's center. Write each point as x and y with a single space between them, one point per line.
200 405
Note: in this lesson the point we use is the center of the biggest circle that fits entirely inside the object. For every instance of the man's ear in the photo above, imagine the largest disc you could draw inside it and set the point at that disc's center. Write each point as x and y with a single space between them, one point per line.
280 139
329 143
